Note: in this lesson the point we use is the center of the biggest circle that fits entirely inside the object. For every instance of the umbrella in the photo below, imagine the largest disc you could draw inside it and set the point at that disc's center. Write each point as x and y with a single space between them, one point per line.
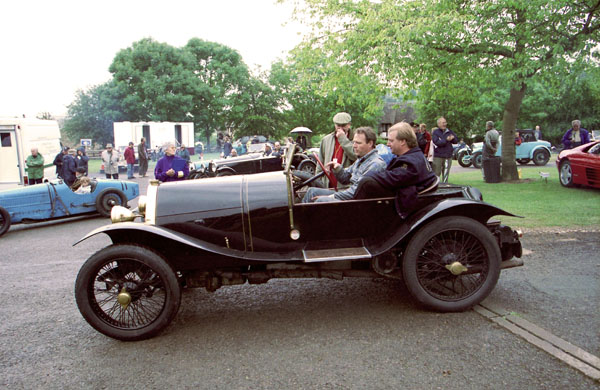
301 130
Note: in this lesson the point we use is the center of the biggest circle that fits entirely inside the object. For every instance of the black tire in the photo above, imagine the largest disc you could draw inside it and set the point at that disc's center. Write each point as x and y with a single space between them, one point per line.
153 291
523 161
4 221
541 157
565 174
477 160
108 198
225 172
308 166
461 159
447 241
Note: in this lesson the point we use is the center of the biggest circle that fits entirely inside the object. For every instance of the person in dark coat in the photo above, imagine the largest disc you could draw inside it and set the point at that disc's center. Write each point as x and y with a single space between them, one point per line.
58 161
575 136
69 167
82 159
405 176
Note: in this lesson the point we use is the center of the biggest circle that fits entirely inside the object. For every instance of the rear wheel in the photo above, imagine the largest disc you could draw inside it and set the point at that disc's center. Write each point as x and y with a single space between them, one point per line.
109 198
566 174
308 166
477 159
451 264
523 161
127 292
541 157
4 221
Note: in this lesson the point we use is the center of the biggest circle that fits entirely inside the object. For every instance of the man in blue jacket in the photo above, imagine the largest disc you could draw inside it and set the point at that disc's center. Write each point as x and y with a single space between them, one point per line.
575 136
443 138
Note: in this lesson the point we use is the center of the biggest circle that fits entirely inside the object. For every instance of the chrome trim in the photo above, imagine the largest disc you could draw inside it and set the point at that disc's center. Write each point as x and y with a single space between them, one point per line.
151 202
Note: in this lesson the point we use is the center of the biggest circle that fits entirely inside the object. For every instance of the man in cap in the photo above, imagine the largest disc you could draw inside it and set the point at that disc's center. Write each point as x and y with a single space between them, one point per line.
110 159
337 147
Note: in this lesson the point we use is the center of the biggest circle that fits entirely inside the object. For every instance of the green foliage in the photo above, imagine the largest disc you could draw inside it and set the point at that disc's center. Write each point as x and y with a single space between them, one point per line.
451 49
93 112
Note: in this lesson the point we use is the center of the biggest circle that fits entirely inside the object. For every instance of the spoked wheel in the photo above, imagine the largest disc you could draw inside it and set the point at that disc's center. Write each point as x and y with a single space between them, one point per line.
307 166
451 264
477 160
127 292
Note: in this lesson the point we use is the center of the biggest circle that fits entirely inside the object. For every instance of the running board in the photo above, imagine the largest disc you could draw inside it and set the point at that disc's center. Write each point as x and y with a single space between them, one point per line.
329 251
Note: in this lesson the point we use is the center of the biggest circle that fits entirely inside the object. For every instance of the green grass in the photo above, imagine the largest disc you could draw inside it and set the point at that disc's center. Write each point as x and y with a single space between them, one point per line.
543 204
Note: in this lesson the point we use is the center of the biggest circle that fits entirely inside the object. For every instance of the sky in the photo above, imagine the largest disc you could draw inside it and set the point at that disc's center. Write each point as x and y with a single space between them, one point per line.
51 49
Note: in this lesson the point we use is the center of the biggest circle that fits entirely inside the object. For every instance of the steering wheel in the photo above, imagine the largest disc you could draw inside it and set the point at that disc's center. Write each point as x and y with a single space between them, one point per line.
307 181
328 174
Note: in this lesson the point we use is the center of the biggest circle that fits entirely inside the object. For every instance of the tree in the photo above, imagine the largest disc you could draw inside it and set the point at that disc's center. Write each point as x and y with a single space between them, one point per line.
92 113
220 75
156 81
442 45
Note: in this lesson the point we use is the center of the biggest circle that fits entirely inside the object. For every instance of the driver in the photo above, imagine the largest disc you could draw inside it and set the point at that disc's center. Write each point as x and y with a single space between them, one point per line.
337 146
368 161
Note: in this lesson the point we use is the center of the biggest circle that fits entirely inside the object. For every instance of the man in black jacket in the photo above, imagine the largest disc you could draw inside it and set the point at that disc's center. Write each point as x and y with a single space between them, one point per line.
406 175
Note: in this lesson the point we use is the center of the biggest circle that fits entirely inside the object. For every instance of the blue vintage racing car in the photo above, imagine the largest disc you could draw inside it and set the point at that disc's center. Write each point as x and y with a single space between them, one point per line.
54 199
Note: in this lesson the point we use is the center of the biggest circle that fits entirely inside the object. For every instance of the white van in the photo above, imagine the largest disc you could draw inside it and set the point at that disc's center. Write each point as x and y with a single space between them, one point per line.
17 137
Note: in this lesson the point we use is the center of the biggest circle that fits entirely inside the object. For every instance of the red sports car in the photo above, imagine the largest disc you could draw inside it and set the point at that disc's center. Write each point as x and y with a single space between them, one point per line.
580 165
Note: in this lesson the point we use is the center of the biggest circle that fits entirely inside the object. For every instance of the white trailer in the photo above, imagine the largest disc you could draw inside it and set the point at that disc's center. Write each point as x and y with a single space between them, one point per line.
17 137
155 133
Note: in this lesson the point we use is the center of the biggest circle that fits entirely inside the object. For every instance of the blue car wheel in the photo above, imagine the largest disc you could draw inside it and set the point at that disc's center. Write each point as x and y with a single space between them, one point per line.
108 198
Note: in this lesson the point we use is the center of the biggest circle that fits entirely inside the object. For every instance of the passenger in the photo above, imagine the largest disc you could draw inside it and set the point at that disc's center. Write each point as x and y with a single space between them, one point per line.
518 139
406 175
268 150
575 136
277 149
336 146
368 161
171 167
80 173
85 186
233 153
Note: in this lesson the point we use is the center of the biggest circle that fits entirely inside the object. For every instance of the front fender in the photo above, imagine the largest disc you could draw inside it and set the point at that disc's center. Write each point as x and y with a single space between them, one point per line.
479 211
538 147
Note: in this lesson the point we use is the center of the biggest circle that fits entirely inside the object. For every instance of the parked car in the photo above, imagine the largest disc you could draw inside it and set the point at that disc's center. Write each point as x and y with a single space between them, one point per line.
241 229
248 164
580 165
529 150
462 153
54 199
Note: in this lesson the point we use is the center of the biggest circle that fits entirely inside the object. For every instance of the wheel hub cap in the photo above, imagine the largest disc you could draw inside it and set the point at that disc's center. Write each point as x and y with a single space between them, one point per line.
456 268
124 298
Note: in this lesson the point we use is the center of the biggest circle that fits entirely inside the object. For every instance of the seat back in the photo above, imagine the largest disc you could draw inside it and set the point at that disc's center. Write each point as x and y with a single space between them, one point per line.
432 187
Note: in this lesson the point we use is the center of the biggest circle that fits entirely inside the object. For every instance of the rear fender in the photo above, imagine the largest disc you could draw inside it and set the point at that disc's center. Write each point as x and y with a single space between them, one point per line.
479 211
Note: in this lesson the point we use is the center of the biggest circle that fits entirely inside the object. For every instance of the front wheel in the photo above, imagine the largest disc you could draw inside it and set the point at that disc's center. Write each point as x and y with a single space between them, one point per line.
477 159
541 157
464 159
451 264
109 198
4 221
127 292
566 174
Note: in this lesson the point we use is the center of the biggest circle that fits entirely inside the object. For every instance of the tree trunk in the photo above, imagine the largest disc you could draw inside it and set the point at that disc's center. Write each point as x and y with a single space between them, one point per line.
509 124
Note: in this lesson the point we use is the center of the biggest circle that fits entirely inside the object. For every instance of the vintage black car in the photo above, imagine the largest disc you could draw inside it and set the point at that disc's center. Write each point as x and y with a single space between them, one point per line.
251 228
248 164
